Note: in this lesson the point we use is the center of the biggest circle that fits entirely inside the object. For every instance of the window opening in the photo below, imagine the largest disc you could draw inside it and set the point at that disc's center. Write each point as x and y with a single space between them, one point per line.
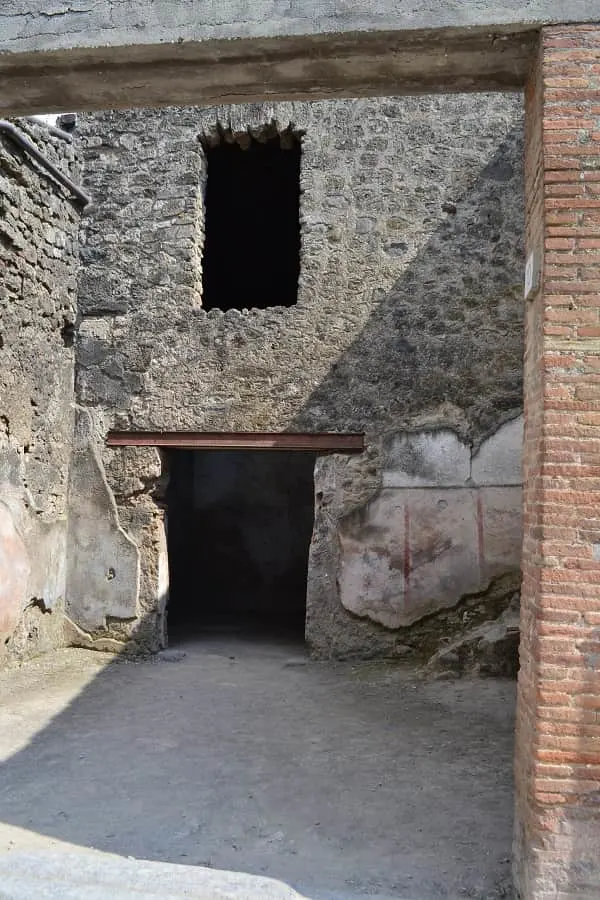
251 253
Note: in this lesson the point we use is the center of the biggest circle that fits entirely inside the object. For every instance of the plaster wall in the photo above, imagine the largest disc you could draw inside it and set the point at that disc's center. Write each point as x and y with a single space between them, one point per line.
442 527
408 327
39 258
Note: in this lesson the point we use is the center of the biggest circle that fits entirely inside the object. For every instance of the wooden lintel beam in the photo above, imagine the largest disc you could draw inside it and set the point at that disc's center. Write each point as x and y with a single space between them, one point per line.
198 440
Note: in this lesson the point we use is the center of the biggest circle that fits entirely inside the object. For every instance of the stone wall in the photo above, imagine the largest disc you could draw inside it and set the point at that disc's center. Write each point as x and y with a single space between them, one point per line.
408 327
39 258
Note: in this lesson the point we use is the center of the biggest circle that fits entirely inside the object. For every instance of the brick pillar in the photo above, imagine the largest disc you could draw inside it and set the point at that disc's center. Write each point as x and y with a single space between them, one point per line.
557 832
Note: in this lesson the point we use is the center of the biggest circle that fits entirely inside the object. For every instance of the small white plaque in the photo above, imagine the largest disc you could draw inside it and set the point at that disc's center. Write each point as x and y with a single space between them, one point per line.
532 274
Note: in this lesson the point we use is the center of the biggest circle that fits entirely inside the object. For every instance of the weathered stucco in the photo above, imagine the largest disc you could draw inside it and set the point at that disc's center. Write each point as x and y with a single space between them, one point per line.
39 259
435 532
103 570
407 327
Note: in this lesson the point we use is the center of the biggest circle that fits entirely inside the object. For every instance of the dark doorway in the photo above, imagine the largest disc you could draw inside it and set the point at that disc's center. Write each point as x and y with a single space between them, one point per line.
251 254
239 528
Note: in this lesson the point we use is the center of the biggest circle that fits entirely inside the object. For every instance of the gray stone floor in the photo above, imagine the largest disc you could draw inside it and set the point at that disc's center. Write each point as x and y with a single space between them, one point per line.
342 780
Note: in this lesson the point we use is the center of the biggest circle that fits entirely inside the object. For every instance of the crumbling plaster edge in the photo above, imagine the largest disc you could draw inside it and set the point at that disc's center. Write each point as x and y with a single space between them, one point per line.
87 441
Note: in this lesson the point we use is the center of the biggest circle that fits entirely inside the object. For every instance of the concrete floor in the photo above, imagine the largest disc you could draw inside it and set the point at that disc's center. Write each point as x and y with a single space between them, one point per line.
343 780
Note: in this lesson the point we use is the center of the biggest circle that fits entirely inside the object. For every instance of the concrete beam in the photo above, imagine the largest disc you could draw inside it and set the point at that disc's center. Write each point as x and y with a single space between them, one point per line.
122 53
41 25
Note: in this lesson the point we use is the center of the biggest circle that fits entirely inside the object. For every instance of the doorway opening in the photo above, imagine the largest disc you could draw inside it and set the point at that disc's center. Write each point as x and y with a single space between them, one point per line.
239 526
252 221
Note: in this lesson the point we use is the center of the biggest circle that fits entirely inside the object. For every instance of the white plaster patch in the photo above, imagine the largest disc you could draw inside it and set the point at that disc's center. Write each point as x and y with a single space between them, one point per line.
427 459
501 512
443 555
415 551
371 587
372 579
103 561
498 461
14 573
48 576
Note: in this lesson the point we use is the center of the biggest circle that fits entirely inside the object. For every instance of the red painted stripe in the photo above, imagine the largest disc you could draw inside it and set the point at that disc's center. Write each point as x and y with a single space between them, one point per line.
407 560
480 536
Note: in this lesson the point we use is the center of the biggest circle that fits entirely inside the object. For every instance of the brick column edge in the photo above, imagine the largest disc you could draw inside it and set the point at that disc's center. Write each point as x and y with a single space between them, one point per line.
557 759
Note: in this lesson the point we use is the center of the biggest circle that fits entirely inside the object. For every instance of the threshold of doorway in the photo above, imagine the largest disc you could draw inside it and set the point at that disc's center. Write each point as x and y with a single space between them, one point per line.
289 643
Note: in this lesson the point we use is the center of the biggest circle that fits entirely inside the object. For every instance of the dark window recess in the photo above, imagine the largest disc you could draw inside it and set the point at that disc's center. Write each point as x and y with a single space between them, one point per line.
252 223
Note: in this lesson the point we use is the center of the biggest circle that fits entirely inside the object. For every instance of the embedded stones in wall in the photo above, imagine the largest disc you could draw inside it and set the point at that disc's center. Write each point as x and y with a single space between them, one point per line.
491 648
39 260
403 307
446 523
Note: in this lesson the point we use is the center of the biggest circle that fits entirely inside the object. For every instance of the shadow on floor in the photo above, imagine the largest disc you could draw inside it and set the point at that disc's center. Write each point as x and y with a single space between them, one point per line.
342 780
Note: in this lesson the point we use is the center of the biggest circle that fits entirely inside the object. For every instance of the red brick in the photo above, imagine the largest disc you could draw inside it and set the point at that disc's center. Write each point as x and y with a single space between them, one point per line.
570 203
564 314
561 243
558 717
569 756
